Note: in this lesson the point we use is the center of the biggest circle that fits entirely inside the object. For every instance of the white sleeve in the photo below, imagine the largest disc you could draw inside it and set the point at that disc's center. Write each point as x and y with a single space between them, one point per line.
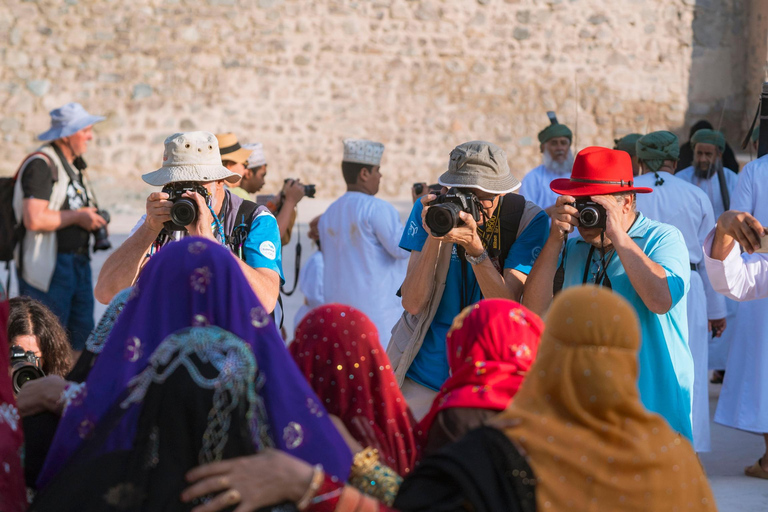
138 225
715 301
388 229
739 277
311 280
741 199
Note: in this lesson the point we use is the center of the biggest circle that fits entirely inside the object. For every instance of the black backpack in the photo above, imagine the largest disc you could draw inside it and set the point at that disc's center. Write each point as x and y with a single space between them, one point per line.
11 228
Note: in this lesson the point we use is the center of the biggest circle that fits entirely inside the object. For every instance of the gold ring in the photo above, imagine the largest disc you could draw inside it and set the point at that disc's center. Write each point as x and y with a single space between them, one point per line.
233 496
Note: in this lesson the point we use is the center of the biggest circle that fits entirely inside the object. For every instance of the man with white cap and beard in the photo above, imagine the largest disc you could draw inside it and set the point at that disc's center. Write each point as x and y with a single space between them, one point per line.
557 159
360 236
192 178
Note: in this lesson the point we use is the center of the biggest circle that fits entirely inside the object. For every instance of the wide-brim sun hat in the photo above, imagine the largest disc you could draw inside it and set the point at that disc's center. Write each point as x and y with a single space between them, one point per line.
230 148
190 156
599 171
68 120
480 165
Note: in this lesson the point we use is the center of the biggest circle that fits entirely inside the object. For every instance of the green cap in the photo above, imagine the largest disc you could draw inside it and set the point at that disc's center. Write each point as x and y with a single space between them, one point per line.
555 130
628 143
656 147
709 137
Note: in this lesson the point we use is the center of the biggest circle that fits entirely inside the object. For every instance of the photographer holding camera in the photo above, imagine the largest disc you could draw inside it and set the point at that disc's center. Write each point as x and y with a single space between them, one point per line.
476 240
644 261
194 201
55 203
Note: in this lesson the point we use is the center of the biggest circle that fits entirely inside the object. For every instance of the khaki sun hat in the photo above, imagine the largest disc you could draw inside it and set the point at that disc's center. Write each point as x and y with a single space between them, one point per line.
231 150
190 156
481 165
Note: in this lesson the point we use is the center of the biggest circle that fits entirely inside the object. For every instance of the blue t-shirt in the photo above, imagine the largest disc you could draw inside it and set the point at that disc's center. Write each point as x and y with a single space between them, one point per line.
430 366
665 362
262 248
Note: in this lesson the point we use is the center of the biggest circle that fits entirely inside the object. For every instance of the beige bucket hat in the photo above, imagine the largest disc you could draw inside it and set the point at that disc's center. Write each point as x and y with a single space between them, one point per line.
231 150
190 156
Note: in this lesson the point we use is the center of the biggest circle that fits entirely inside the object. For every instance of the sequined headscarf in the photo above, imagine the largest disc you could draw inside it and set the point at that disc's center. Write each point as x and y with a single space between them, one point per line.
590 442
337 349
490 347
194 283
13 493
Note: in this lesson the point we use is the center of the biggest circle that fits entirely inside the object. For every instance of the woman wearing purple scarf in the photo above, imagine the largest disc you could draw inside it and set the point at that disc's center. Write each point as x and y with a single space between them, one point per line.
194 371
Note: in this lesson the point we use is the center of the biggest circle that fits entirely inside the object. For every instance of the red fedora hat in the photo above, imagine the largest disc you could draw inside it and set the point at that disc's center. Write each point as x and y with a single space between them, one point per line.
599 171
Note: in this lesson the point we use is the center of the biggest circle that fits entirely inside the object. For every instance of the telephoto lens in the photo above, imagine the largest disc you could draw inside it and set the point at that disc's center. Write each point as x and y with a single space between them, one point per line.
309 191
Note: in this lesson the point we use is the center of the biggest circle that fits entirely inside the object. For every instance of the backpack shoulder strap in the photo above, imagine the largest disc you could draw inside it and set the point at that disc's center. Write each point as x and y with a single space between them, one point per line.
246 211
44 156
512 209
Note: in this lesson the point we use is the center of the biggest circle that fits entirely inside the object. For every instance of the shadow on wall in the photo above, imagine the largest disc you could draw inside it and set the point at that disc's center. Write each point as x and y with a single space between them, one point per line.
728 63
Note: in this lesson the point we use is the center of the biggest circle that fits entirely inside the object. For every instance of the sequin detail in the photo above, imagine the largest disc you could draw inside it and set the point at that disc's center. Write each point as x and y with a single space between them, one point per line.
10 416
133 350
293 435
259 317
237 378
200 279
73 394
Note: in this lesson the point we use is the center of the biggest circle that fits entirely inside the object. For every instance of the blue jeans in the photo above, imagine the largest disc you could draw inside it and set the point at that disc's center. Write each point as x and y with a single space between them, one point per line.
70 296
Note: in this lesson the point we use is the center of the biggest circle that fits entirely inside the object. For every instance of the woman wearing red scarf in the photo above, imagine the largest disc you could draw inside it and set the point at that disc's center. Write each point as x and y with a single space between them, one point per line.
13 493
490 347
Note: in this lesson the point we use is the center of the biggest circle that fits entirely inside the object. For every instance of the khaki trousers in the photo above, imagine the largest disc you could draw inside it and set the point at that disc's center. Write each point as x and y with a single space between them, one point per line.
419 398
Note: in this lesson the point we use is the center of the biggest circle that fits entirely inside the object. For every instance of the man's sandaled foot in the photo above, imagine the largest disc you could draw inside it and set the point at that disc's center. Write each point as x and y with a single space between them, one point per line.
756 470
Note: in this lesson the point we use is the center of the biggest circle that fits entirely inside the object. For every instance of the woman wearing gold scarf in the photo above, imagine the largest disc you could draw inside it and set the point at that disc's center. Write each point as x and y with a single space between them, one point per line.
578 417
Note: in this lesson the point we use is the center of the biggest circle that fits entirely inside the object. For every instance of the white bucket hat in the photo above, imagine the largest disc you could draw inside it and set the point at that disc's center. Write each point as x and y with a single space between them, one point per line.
190 156
68 120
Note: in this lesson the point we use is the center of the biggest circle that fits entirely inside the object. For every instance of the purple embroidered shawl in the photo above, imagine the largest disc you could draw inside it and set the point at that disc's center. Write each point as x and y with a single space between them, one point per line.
195 282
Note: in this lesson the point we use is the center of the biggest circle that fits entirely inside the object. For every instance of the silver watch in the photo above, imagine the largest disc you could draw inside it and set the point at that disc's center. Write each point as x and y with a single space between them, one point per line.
476 260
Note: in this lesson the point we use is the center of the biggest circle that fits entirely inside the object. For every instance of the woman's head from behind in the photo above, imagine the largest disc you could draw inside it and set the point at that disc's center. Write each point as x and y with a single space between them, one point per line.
35 328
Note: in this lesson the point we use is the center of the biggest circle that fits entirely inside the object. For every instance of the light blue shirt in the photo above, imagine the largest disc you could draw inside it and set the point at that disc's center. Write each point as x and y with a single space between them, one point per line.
665 361
430 366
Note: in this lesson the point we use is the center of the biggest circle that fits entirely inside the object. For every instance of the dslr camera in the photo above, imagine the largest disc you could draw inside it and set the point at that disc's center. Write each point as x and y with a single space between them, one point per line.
443 214
184 210
591 214
100 236
309 190
25 366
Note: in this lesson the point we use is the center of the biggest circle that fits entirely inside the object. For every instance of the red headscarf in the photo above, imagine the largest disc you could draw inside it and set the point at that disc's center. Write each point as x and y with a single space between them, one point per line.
13 493
337 349
490 347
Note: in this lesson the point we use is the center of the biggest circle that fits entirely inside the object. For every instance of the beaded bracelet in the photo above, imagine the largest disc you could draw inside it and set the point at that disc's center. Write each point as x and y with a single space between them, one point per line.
318 477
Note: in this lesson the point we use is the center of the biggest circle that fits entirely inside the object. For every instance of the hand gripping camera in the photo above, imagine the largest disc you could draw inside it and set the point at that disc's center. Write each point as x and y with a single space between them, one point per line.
100 236
443 214
25 366
591 214
184 210
309 190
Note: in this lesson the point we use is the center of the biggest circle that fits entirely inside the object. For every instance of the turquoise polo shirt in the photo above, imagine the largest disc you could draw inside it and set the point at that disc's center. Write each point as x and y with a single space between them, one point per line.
665 361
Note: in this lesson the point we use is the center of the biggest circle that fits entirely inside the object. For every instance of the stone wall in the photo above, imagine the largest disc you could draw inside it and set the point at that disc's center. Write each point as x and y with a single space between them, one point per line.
420 76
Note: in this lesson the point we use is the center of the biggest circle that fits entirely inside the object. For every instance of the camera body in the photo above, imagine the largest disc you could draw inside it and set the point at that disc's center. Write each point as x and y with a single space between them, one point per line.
591 214
184 210
443 214
309 190
25 366
100 236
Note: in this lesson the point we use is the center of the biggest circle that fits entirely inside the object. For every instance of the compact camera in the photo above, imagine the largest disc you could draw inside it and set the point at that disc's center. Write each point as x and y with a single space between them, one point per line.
25 366
591 214
184 210
100 236
309 190
443 214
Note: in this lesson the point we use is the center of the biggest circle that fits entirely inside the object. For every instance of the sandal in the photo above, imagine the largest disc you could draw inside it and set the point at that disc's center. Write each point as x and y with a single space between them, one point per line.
756 470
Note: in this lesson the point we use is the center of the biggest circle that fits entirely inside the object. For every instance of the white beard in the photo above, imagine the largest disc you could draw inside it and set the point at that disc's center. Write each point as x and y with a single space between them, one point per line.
558 168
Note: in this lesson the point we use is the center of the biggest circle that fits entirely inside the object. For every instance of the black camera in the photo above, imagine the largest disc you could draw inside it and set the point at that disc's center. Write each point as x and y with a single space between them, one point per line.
100 236
184 209
309 190
25 366
591 214
443 214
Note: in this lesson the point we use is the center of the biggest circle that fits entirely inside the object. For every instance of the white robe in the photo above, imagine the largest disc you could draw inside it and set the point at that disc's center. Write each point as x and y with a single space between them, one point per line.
364 264
311 286
680 204
535 186
718 347
743 402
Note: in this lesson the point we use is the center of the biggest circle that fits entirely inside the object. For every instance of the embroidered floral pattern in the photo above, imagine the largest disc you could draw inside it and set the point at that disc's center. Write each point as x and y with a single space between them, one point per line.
133 350
200 279
73 394
259 317
97 338
197 247
10 415
293 435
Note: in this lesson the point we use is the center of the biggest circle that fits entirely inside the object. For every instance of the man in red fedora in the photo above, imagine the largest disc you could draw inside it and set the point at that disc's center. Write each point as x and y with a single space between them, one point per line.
642 260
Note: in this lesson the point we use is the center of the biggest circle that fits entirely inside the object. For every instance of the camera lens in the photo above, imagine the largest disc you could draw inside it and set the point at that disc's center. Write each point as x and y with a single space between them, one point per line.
23 373
442 218
183 212
589 217
309 191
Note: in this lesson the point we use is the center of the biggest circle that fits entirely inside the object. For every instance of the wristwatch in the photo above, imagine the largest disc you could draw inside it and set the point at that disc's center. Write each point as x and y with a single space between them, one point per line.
477 260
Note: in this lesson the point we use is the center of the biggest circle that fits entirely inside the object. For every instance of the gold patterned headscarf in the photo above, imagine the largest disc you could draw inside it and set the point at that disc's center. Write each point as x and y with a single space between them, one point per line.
590 442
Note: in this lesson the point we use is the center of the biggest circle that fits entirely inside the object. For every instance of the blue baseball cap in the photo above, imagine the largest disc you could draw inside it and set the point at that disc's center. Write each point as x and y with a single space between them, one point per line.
67 120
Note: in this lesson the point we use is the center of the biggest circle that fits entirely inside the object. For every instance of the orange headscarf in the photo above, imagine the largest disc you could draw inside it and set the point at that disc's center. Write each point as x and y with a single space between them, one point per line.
590 442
